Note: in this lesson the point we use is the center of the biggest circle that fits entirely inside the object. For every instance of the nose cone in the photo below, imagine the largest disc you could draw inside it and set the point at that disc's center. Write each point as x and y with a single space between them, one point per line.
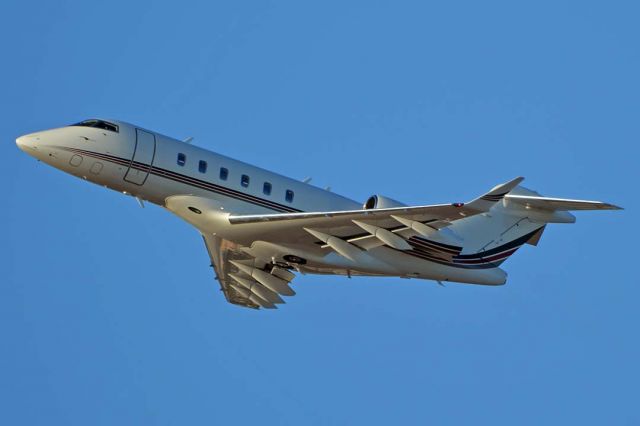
27 143
22 143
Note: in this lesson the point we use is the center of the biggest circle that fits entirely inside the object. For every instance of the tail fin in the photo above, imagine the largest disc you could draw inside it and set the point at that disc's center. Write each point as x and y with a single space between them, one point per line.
490 238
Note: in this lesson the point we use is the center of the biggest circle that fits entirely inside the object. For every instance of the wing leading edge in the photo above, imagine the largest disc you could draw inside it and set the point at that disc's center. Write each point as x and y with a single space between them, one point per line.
447 212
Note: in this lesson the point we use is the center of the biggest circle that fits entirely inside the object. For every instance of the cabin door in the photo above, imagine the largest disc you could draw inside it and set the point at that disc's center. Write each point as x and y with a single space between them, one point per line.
142 160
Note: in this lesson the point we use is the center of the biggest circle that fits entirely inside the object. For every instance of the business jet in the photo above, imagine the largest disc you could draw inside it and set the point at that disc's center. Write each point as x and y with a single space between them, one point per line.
260 228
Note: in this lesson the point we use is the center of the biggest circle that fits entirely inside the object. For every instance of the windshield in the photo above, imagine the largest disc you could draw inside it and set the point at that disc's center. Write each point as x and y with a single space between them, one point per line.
99 124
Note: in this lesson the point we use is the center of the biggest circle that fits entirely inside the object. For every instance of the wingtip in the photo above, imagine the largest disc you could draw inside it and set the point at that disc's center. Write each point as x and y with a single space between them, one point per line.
508 186
515 182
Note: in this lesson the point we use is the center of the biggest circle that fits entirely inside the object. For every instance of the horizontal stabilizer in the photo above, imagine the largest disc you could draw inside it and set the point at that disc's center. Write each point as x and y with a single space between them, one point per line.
546 203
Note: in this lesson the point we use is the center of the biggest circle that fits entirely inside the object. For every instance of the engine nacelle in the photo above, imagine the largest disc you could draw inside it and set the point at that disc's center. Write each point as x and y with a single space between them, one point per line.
381 202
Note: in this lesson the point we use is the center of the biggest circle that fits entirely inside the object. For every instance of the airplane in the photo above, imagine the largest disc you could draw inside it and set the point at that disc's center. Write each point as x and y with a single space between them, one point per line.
261 228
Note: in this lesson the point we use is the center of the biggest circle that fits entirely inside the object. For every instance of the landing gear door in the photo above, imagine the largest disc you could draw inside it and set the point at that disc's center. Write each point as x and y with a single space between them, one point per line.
142 160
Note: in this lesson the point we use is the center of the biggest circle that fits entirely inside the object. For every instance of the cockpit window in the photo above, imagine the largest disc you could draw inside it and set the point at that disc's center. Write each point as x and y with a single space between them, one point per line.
98 124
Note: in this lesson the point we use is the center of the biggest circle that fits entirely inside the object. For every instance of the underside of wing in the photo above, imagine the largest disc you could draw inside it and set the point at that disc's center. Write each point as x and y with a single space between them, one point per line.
245 280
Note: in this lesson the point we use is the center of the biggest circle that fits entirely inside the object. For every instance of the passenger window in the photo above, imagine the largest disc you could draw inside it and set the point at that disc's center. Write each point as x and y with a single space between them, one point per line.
244 181
182 159
288 196
202 166
266 188
224 173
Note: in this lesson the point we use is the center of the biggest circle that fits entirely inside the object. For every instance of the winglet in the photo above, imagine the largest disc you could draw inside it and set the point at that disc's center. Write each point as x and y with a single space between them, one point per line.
486 201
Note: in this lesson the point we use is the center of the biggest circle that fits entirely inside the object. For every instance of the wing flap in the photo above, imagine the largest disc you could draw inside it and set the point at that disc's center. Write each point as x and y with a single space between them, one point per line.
241 281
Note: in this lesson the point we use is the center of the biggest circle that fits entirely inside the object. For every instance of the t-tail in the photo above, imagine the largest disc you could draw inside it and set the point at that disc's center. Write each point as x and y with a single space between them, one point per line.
511 218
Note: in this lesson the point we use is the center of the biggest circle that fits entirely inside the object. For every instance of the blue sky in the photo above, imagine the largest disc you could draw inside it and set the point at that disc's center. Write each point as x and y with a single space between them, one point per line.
109 313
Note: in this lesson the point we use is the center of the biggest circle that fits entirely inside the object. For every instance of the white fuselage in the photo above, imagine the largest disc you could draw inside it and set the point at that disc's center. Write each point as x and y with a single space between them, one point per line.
154 167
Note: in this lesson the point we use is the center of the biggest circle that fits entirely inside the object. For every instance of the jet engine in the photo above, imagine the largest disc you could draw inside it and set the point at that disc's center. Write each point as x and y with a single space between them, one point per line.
381 202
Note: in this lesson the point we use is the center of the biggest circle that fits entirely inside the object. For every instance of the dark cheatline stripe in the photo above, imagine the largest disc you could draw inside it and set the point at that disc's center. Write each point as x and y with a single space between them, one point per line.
434 245
422 248
106 157
493 197
467 265
441 253
489 259
441 246
430 257
222 190
168 174
511 244
482 260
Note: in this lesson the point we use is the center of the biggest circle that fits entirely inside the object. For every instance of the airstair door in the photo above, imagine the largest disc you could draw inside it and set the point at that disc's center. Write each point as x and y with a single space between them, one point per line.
142 160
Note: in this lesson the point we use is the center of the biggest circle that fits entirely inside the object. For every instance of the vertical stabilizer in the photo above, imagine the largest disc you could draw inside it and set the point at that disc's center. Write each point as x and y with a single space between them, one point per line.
519 219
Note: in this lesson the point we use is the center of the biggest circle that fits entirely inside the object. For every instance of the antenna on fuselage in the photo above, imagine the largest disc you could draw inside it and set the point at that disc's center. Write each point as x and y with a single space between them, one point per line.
188 140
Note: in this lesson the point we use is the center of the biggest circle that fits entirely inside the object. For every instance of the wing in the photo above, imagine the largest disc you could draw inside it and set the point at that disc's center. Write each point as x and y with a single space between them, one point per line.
367 228
443 212
244 280
247 267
